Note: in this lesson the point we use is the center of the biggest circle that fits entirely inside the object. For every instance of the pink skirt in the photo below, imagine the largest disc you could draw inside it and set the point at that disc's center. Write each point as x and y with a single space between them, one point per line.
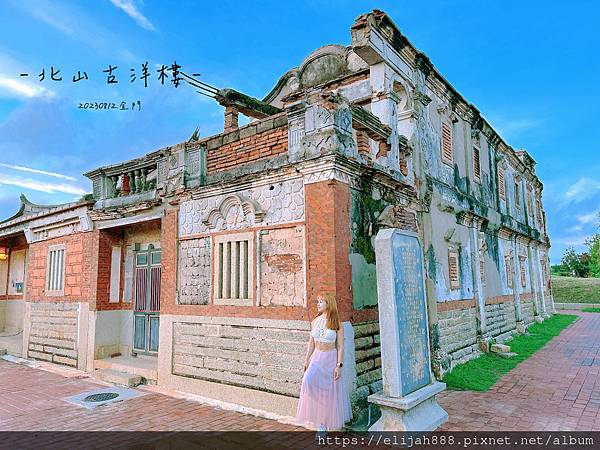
323 399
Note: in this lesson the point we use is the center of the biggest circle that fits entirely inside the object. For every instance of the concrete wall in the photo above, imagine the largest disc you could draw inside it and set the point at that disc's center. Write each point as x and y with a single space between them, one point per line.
11 316
113 333
16 275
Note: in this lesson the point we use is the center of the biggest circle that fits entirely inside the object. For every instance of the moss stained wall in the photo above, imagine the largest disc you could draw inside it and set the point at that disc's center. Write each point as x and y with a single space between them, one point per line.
365 207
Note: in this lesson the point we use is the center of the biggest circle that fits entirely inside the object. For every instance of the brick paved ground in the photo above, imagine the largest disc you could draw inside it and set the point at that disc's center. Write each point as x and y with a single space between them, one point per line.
557 389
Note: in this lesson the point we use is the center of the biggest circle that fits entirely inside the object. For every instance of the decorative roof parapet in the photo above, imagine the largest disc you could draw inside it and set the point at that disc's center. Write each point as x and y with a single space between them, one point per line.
249 106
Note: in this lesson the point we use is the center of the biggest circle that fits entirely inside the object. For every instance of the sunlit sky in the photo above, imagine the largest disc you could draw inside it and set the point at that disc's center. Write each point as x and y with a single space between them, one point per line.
530 67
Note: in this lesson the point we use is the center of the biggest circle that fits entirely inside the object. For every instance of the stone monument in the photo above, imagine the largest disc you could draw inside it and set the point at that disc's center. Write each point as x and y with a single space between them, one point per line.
407 400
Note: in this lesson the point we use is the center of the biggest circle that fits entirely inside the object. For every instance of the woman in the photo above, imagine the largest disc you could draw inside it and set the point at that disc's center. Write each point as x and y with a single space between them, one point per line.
324 400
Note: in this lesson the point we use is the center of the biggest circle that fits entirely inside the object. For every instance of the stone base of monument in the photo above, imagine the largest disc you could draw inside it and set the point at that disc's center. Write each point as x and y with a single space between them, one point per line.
417 411
538 319
521 328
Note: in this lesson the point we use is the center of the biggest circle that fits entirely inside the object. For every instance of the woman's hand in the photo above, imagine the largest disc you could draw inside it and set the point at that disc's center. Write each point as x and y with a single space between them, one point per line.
336 373
305 364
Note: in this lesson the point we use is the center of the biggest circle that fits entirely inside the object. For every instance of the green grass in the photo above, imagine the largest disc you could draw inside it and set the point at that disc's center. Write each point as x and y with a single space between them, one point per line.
575 290
482 373
591 310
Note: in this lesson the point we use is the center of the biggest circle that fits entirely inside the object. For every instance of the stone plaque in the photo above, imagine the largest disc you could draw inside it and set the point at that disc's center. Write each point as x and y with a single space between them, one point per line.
411 313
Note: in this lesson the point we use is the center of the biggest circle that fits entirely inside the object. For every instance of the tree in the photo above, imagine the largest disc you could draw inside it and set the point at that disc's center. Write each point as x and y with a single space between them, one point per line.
578 265
593 245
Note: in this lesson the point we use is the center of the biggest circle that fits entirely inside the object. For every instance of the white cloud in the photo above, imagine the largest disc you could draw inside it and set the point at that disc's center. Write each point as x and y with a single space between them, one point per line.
41 172
36 185
74 22
131 10
574 240
582 189
588 218
18 88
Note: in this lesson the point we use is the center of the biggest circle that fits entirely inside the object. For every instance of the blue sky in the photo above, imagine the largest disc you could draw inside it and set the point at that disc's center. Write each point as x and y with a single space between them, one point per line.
530 67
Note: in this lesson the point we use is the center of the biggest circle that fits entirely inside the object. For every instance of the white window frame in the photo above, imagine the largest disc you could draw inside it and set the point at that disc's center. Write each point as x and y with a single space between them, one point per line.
115 274
50 271
219 280
454 284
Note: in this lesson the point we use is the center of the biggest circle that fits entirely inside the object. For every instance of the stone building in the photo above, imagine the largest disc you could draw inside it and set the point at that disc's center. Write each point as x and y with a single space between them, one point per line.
205 258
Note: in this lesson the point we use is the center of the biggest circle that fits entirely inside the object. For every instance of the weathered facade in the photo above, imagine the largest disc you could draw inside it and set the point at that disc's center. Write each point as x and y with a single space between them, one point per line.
206 258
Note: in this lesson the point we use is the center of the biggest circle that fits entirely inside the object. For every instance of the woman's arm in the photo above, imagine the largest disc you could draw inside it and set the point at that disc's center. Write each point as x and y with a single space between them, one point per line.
340 347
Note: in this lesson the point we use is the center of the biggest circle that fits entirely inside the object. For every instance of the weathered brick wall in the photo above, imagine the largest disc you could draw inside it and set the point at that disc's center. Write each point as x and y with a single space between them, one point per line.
53 332
368 363
264 358
81 261
458 329
500 315
257 141
282 266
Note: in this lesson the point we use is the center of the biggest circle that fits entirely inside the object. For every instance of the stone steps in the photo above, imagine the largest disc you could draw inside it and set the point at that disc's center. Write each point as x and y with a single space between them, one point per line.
117 377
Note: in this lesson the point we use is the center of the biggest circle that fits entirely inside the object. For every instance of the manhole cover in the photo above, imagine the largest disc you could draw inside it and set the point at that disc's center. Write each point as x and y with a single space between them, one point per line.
102 397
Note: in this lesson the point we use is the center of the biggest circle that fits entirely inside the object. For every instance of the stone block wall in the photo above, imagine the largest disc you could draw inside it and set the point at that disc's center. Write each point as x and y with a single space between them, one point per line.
458 331
264 358
500 316
548 301
53 332
527 308
368 363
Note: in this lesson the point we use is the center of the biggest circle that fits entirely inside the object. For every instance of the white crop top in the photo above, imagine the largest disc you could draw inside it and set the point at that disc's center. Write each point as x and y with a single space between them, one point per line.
322 334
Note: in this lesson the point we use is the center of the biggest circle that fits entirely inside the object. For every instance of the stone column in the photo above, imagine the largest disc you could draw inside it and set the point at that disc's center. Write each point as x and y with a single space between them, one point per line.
477 281
517 286
534 267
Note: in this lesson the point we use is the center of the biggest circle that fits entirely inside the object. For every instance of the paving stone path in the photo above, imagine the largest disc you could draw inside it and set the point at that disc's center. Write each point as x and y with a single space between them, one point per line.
556 389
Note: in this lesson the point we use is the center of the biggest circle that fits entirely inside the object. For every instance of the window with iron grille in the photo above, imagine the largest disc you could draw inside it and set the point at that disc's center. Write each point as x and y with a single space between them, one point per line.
523 271
447 155
517 193
501 183
454 269
476 163
233 269
55 270
508 262
482 269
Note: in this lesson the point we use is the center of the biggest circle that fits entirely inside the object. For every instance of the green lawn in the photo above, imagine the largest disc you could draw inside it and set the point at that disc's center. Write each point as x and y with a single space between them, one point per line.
481 373
596 310
576 290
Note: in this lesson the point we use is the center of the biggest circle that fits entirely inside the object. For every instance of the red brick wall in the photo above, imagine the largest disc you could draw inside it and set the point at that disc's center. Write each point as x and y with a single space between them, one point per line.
168 280
106 240
328 239
80 262
168 291
252 148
